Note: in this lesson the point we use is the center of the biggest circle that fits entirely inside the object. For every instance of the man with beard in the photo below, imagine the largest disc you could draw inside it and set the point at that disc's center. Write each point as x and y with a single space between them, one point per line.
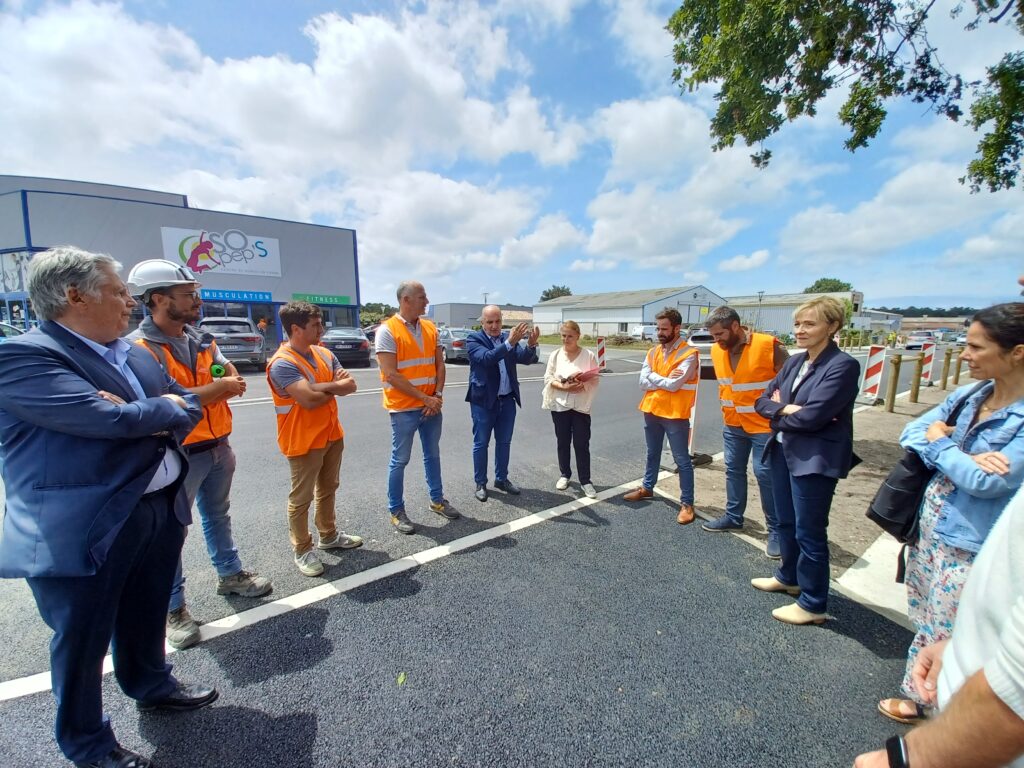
745 363
171 293
669 380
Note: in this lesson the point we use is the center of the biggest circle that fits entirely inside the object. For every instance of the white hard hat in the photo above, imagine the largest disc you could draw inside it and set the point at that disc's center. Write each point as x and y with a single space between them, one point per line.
157 273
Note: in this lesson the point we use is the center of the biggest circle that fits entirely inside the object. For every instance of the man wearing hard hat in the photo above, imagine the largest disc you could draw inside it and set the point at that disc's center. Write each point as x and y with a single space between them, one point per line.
190 357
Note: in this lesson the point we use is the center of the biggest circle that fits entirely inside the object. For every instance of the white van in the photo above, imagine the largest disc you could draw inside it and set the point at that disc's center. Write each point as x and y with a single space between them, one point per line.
645 332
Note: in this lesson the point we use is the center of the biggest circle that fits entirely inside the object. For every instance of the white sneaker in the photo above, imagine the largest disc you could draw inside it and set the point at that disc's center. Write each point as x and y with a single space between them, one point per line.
562 484
589 490
309 564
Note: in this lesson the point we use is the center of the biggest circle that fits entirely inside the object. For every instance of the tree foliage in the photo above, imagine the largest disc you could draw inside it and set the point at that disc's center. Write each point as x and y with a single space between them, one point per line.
774 60
913 311
554 292
828 285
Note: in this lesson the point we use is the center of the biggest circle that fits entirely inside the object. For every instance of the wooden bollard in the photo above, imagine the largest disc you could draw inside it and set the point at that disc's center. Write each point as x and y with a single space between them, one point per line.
945 366
915 382
894 378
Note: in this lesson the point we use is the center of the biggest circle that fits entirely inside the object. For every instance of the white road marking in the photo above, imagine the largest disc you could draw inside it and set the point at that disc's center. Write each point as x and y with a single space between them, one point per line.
38 683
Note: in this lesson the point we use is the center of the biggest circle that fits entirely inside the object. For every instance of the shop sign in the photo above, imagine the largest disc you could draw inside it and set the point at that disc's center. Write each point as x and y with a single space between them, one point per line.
321 298
208 294
231 252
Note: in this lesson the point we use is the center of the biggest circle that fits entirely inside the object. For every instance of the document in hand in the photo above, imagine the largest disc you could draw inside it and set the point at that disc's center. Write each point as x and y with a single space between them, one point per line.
588 374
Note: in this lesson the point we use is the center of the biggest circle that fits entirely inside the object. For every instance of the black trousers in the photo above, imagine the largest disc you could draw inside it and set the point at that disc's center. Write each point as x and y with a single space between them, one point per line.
573 427
125 601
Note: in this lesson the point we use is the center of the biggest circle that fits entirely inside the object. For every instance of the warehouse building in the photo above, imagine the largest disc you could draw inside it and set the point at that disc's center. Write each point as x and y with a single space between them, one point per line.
248 265
463 315
605 314
774 312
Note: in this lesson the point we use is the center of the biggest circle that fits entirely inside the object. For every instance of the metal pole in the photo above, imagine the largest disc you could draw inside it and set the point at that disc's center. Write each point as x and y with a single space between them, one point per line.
956 371
945 366
915 383
894 378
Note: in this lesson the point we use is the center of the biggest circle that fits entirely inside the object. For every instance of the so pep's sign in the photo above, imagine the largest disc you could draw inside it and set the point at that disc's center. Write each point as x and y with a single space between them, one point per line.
231 252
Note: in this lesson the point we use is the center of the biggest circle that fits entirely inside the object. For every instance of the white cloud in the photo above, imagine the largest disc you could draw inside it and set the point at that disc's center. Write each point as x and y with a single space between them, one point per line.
745 263
652 139
639 26
592 265
1001 242
915 205
541 13
552 234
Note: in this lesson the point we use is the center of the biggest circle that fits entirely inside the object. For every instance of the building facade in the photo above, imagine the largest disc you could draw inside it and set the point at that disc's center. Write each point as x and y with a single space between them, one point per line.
773 313
606 314
461 315
248 265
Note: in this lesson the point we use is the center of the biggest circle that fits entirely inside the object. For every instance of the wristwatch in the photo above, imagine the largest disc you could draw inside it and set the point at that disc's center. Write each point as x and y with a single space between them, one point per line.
896 749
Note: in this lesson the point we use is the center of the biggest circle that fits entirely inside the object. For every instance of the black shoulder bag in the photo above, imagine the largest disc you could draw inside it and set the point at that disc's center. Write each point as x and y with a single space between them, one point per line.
897 503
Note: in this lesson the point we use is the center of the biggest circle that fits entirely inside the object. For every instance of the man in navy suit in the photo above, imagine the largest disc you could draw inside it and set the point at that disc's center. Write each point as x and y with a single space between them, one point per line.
90 433
493 394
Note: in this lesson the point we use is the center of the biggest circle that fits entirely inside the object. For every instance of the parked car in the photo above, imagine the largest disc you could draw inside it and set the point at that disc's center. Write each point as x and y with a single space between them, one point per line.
349 345
370 330
454 341
644 332
702 339
238 339
961 340
917 340
8 331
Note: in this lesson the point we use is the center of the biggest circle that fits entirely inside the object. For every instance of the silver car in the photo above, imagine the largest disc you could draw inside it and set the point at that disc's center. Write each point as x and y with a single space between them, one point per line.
238 339
454 341
702 340
8 332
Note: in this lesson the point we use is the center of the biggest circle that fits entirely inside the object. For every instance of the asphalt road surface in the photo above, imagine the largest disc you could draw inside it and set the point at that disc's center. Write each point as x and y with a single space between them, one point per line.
608 636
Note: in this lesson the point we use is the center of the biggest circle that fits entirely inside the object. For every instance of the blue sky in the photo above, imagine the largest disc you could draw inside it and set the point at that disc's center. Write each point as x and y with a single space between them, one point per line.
498 147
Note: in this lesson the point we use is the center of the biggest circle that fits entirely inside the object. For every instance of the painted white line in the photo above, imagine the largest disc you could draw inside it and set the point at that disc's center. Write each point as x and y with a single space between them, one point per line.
38 683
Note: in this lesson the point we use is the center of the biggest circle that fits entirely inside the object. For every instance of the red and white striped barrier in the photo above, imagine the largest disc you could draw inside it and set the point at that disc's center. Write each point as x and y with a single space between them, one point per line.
872 379
928 349
600 353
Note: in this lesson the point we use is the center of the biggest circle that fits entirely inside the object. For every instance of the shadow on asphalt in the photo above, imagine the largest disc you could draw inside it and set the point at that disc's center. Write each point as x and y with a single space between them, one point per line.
585 516
397 587
289 644
883 639
231 737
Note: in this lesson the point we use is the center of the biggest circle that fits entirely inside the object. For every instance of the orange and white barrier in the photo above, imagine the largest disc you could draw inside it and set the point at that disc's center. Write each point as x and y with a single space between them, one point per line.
600 353
872 379
928 349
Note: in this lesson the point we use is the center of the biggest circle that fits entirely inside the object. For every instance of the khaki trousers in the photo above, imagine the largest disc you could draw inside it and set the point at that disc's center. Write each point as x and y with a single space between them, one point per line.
314 475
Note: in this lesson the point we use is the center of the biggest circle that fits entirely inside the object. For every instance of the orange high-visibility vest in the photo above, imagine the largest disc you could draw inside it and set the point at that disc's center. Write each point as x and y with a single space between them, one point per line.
659 402
418 364
301 430
738 390
216 421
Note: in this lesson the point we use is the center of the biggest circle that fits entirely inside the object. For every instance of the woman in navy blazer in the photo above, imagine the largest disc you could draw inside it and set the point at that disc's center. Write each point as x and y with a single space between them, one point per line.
810 406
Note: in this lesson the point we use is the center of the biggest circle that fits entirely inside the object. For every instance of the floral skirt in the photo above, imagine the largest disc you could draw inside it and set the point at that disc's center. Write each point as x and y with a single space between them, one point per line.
936 573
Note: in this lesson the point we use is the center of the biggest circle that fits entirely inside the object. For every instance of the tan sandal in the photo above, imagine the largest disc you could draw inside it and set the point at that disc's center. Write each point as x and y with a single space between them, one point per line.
894 710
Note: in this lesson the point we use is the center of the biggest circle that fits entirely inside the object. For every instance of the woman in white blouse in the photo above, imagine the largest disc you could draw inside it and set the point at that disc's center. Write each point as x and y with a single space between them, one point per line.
569 385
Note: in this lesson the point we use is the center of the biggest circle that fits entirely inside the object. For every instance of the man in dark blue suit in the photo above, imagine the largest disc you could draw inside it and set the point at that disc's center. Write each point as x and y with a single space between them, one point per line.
90 431
493 394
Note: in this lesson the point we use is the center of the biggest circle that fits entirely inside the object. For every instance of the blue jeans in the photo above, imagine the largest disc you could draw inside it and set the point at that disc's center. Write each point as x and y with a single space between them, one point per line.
738 446
656 429
802 505
501 420
404 427
208 486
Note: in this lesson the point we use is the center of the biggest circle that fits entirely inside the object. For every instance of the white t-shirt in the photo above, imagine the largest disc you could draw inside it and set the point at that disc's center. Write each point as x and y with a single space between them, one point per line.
989 629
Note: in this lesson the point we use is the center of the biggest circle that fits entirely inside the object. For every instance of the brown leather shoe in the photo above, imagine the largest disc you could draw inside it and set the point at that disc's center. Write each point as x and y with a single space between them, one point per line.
639 494
686 515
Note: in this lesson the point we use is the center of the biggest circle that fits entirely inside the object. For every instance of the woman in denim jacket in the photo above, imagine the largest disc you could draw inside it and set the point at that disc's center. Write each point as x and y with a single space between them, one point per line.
979 465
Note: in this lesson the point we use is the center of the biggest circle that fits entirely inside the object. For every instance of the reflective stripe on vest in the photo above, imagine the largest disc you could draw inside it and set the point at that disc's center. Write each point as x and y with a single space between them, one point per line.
301 430
418 364
738 390
660 402
216 421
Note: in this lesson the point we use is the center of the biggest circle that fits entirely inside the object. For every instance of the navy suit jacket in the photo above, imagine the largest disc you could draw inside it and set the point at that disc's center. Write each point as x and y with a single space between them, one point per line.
484 373
75 465
817 439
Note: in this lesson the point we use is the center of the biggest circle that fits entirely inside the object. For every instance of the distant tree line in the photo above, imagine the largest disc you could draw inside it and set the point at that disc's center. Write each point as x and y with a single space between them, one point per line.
930 311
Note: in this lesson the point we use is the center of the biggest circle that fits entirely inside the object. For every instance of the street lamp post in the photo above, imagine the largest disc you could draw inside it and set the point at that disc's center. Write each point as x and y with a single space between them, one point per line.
757 323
